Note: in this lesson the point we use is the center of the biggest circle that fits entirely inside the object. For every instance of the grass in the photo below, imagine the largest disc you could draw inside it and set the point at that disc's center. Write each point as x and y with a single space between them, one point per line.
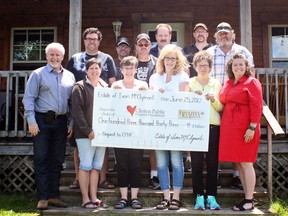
280 205
18 204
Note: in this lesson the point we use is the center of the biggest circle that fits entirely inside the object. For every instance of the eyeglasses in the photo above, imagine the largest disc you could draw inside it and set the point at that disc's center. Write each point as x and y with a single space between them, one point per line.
172 59
203 66
91 39
224 28
143 45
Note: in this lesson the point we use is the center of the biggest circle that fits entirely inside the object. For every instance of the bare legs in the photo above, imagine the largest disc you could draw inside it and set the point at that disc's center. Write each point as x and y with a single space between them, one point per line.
248 180
88 184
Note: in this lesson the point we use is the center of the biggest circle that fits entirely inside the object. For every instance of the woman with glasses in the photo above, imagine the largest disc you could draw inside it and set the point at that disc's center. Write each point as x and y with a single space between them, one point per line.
203 84
129 161
170 76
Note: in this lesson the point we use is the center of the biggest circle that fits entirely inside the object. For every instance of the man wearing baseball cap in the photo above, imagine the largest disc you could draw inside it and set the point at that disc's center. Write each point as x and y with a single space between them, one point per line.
224 49
221 52
200 34
123 49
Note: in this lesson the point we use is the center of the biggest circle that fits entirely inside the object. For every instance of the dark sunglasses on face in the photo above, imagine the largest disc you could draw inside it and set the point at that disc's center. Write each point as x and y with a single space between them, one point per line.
143 45
224 28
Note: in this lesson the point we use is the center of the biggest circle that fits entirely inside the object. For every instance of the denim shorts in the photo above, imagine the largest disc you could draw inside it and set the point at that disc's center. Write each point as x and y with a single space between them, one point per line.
91 157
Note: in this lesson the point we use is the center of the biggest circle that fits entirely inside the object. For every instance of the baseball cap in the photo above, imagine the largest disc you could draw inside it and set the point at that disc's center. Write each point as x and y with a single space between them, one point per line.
223 27
143 36
200 25
122 40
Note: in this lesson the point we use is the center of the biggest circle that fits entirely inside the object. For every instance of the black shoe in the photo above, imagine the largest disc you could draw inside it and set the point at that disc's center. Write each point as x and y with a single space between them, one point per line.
218 183
154 183
187 166
236 183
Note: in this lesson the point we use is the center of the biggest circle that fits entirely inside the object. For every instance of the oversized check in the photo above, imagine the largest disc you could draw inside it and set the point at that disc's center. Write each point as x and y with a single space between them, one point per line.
124 118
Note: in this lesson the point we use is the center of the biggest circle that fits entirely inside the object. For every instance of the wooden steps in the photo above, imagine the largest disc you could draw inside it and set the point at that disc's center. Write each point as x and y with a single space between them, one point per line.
226 197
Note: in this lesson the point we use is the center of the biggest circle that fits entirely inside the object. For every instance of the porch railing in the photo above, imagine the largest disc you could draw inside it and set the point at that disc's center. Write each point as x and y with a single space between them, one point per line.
12 85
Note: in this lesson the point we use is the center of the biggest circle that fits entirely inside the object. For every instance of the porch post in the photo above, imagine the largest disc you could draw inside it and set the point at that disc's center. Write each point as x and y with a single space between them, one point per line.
75 27
246 24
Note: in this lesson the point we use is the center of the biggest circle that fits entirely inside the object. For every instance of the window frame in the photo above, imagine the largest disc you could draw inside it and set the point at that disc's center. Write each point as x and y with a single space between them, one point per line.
13 62
271 59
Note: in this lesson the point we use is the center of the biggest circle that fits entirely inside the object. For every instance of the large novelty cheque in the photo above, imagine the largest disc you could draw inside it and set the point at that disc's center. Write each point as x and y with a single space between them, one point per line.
125 118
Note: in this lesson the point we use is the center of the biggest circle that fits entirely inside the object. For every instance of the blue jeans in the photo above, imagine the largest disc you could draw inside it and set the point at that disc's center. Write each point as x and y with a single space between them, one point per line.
162 157
49 155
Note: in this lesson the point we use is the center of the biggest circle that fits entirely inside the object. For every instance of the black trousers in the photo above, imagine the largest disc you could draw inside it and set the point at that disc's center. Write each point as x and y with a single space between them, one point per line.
129 167
197 160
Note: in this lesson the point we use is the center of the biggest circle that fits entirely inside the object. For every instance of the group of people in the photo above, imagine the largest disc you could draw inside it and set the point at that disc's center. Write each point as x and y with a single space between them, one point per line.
59 106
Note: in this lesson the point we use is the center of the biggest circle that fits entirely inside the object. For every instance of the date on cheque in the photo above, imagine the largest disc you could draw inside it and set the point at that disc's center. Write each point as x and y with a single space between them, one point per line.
190 114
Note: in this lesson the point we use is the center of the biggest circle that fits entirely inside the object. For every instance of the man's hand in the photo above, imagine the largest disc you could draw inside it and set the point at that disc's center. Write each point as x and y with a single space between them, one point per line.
33 129
69 132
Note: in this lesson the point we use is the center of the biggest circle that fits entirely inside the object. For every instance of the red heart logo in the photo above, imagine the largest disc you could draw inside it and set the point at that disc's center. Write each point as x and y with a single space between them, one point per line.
131 109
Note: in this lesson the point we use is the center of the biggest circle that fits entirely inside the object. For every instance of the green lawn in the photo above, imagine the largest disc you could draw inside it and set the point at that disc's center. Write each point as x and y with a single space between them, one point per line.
17 204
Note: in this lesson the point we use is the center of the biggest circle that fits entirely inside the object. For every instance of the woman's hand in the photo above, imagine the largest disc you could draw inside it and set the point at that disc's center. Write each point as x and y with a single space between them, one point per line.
249 135
91 135
116 87
162 90
210 97
199 92
142 88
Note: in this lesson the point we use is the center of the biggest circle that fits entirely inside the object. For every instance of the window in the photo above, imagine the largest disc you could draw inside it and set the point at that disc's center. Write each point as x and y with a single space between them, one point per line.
279 46
28 47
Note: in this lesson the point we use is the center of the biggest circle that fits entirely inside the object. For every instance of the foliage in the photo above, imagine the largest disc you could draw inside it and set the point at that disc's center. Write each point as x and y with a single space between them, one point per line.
280 206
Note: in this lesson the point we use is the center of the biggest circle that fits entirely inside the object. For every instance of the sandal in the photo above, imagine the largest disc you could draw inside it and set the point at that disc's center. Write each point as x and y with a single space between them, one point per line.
99 203
121 204
240 205
106 185
174 205
163 205
74 185
89 205
136 204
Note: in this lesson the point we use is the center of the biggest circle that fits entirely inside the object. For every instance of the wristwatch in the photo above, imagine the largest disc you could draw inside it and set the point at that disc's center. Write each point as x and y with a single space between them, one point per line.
251 128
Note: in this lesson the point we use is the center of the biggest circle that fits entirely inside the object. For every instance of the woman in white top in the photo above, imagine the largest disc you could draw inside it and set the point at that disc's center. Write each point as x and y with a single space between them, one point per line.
129 161
170 76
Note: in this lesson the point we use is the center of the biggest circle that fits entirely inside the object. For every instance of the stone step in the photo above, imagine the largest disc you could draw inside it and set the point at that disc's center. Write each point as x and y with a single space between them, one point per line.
150 198
226 197
225 177
77 211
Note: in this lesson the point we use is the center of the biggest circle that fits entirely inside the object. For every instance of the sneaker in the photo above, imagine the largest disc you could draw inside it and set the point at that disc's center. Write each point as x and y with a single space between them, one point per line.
199 205
236 183
187 166
212 203
154 183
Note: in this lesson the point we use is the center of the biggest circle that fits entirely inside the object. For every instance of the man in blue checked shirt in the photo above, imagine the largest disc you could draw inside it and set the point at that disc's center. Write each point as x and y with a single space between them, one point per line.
46 103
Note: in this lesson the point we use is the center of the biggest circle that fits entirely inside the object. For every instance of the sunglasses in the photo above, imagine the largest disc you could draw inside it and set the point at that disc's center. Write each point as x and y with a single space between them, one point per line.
143 45
224 28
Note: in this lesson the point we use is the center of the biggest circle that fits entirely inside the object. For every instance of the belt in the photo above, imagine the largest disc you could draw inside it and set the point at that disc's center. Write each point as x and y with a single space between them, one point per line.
56 115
